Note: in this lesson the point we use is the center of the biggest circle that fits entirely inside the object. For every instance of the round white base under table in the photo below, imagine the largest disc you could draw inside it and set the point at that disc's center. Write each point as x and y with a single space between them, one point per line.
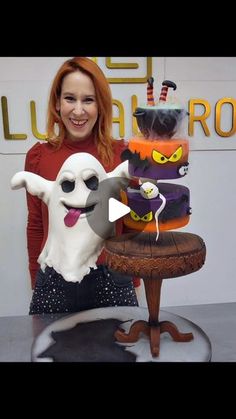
96 342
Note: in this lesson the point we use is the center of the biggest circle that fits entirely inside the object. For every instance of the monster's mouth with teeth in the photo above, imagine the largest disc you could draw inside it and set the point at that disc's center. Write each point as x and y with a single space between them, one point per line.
74 214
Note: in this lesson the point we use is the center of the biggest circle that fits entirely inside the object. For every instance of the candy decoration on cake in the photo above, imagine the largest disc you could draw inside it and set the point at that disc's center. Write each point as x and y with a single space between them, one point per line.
160 153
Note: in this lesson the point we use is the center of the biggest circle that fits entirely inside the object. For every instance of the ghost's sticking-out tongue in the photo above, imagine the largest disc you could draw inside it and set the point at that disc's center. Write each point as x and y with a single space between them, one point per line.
72 216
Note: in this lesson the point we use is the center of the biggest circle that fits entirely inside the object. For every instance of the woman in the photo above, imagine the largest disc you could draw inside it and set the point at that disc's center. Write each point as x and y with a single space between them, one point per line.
79 120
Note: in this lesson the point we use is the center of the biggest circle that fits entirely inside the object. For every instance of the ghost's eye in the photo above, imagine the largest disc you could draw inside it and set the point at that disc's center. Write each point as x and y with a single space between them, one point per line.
68 186
92 183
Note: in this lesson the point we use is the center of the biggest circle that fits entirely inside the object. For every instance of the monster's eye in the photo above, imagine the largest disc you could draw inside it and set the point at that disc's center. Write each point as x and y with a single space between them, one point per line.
68 186
159 157
92 183
176 155
147 217
134 216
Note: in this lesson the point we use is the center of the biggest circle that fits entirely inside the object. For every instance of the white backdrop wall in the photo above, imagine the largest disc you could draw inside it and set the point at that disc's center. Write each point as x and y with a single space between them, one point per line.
211 177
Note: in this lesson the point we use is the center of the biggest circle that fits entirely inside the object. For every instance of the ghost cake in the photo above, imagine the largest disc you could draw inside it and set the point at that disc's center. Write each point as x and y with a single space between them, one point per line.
78 221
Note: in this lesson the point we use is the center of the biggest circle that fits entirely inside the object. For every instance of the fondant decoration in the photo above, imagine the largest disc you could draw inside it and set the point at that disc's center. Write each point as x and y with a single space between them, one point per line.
158 159
157 213
164 90
183 170
162 159
148 190
173 215
150 97
142 180
72 247
135 159
162 119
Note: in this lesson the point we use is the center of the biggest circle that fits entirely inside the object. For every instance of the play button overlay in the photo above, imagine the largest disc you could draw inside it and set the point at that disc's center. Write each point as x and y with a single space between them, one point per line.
103 207
116 210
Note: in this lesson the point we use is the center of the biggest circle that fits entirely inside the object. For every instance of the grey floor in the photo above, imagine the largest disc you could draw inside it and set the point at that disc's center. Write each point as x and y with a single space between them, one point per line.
218 321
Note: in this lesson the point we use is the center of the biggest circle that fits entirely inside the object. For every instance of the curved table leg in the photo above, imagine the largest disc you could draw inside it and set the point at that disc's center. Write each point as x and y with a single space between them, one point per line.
141 326
135 330
153 328
176 335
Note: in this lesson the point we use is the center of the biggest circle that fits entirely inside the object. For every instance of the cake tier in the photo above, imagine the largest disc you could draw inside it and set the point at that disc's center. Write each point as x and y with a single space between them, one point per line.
159 121
175 214
158 159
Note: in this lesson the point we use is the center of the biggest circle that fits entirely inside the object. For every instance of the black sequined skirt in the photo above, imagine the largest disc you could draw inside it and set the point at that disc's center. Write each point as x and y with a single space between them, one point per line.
102 287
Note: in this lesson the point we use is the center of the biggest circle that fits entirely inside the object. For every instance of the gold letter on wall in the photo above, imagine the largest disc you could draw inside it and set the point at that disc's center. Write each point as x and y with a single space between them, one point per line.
5 118
219 105
34 122
134 104
121 119
129 66
200 118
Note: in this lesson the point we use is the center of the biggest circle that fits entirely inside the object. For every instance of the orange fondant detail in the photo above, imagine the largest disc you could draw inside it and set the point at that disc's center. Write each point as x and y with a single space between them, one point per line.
123 196
167 147
151 226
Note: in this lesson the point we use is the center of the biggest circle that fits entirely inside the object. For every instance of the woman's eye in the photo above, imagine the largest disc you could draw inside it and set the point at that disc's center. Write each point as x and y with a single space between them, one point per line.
68 186
92 183
89 100
69 98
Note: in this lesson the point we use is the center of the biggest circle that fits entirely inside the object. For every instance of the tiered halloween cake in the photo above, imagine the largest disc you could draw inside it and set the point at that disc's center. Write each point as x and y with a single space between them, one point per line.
159 154
147 250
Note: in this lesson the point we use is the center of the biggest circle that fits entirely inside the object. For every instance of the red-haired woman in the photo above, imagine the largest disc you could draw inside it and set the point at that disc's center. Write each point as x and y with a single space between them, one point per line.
79 120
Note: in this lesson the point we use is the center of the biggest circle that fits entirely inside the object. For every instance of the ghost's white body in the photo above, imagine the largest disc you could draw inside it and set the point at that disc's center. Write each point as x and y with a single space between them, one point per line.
72 249
71 256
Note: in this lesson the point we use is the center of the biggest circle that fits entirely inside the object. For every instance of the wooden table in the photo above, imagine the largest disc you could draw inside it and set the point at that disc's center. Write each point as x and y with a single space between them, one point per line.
139 254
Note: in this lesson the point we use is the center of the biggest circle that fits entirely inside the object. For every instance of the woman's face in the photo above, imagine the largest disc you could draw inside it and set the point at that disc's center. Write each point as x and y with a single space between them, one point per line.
78 106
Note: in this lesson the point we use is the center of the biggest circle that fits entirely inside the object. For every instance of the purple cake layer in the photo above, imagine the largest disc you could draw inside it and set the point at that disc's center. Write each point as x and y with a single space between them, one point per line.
177 202
167 171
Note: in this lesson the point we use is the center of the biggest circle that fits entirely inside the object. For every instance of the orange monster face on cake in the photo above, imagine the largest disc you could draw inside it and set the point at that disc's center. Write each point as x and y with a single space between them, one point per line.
158 159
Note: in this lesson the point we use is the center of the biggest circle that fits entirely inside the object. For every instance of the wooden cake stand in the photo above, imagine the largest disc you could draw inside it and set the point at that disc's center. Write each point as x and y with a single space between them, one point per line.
139 254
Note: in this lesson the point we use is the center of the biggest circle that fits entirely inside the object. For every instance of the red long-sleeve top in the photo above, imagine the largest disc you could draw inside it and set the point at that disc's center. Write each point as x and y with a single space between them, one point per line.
45 161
